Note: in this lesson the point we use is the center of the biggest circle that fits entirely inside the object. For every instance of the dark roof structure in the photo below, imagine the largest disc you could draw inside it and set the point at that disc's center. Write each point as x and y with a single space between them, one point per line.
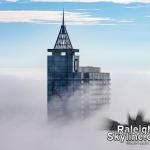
63 40
63 43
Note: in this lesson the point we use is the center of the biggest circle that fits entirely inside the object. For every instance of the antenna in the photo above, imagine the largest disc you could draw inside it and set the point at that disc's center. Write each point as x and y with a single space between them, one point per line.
63 18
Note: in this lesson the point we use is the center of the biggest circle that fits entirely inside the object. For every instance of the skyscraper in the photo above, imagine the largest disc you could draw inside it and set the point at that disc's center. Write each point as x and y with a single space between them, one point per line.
65 77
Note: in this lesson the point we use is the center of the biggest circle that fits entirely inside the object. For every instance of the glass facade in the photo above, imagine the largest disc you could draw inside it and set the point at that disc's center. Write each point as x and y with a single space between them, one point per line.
61 75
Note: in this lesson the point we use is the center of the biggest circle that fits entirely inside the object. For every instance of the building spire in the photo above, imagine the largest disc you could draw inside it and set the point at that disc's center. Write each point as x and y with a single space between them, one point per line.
63 40
63 18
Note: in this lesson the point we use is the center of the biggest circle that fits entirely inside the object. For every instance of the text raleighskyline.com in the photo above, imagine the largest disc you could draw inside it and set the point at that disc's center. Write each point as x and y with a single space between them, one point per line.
130 133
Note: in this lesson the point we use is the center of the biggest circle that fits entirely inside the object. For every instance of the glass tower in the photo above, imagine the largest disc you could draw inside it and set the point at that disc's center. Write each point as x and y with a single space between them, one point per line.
66 78
63 75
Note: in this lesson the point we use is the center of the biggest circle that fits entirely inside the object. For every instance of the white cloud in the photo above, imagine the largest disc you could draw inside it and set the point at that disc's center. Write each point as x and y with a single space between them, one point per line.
114 1
24 126
50 17
137 7
126 21
11 0
28 73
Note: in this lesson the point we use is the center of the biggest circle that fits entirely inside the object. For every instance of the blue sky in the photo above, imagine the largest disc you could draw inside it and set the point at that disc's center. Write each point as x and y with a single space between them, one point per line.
113 35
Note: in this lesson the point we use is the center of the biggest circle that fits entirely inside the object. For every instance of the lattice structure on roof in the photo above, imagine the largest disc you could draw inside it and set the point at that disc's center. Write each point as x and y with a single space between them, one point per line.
63 40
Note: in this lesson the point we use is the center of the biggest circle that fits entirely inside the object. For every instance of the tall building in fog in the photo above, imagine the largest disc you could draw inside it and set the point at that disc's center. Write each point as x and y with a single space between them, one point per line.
65 78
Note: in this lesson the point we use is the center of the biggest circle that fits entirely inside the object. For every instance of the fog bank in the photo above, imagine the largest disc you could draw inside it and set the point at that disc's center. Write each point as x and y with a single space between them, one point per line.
23 122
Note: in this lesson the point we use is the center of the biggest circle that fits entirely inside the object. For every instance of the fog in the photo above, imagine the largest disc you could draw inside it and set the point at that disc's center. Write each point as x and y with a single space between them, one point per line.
23 121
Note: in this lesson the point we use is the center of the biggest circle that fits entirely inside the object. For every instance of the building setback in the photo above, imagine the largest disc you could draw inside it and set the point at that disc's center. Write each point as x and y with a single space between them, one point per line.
66 79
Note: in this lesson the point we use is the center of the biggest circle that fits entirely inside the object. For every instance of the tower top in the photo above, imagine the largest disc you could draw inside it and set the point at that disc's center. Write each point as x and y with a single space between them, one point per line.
63 19
63 43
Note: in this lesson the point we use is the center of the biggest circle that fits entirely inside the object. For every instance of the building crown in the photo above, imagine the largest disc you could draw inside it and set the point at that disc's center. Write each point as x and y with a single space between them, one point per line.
63 40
